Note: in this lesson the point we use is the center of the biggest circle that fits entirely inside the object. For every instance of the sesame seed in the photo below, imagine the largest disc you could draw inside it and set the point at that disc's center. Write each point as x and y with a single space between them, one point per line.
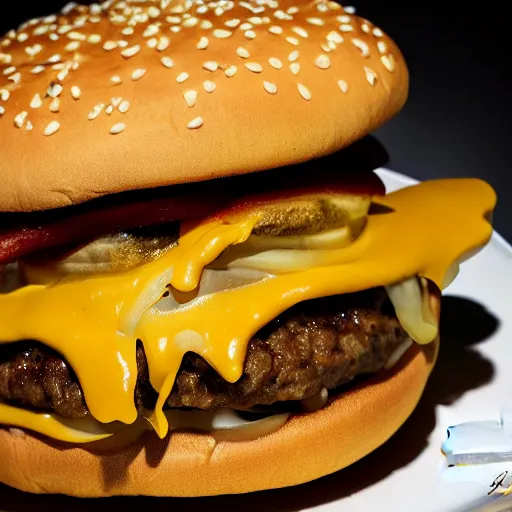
153 12
220 33
55 105
95 9
190 22
167 62
51 128
382 47
292 10
365 28
202 9
16 78
109 45
281 15
76 36
230 71
152 43
316 21
53 37
76 92
295 68
195 123
334 37
41 30
350 9
175 29
203 43
300 31
346 28
209 86
190 97
19 120
325 47
9 70
36 101
173 19
344 18
63 74
2 110
151 30
254 67
275 63
206 24
323 62
29 126
163 44
211 65
130 52
54 90
138 74
377 32
270 87
371 76
242 52
255 20
122 43
182 77
245 26
389 62
293 40
94 39
127 31
293 56
117 128
95 111
116 101
219 11
232 23
250 34
68 8
343 85
4 94
322 7
304 91
361 45
124 106
275 29
116 80
22 37
109 109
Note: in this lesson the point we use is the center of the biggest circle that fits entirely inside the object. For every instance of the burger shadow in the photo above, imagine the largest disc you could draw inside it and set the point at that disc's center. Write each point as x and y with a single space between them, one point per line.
460 368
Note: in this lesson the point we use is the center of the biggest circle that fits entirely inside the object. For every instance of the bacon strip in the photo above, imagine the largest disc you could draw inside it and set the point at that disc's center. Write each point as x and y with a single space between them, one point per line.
28 233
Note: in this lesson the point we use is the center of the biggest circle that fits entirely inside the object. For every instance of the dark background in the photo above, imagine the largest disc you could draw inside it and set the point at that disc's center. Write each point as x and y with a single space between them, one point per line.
456 120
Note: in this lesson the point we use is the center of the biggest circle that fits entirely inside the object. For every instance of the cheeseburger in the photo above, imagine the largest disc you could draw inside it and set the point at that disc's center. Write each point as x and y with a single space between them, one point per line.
205 287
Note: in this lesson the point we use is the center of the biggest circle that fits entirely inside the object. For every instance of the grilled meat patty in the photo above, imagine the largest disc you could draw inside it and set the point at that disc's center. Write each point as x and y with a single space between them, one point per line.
318 343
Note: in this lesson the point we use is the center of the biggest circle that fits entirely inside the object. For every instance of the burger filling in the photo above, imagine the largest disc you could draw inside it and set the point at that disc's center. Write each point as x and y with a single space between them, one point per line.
319 344
176 310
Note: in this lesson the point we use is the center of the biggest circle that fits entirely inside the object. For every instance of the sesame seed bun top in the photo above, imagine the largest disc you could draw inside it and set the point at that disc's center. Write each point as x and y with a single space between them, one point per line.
129 95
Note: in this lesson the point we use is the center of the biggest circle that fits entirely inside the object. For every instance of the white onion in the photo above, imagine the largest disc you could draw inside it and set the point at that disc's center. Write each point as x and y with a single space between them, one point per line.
315 402
398 353
412 310
224 425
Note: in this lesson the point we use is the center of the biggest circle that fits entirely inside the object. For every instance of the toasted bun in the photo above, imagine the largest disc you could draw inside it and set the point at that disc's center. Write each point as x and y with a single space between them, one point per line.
65 82
309 446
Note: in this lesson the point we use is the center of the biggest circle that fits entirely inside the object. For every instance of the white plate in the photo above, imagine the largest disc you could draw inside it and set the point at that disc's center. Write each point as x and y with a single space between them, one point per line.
472 381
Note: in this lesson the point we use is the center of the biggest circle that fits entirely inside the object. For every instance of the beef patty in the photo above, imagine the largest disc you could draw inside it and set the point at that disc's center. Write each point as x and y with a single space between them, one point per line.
318 343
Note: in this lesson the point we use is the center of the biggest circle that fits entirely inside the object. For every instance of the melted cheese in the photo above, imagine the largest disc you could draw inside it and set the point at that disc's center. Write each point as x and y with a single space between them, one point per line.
95 322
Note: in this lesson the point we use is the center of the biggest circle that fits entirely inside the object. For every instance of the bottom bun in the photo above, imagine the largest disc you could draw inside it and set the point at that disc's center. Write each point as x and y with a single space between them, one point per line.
308 446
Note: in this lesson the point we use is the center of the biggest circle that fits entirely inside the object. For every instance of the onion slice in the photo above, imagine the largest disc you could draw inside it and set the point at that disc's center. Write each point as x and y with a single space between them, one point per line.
410 300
